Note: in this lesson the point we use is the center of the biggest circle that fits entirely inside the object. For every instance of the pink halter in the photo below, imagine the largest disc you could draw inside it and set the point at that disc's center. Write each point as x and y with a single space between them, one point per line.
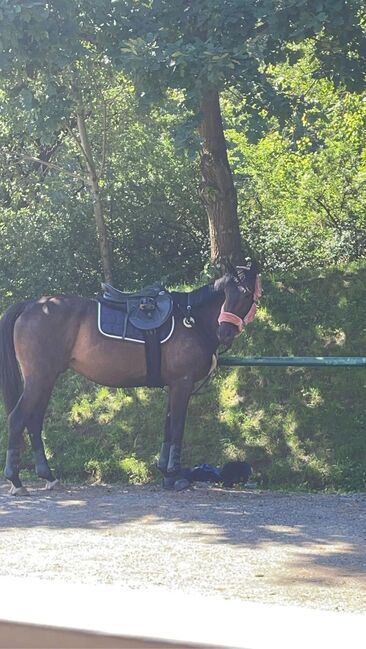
226 316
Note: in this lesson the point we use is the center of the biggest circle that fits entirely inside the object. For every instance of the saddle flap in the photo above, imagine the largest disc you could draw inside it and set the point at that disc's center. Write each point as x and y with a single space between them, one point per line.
148 309
149 312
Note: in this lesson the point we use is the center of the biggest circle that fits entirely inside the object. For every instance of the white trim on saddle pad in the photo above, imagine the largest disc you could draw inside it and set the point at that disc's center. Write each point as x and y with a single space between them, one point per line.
132 340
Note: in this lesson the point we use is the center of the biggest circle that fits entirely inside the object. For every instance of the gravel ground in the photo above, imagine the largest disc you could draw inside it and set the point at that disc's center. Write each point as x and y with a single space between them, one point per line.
280 548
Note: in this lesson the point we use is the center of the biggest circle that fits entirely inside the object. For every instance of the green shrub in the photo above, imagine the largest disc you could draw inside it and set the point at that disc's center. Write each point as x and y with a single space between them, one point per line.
130 470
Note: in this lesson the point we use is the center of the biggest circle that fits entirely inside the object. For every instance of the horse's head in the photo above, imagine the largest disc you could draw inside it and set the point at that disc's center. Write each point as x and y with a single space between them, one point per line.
242 288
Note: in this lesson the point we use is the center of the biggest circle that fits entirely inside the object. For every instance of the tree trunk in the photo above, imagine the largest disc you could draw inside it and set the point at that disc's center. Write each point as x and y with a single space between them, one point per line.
93 182
217 188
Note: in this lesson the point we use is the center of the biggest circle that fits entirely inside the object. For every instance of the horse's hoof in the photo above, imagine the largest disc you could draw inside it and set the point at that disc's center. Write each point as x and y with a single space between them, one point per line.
18 491
180 485
55 484
168 483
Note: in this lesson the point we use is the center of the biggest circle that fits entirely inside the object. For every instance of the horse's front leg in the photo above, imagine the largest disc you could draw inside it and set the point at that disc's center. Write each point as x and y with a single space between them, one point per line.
179 395
165 447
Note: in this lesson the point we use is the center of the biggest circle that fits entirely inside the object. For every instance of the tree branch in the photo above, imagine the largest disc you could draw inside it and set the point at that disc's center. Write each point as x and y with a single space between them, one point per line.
333 220
51 165
79 144
104 142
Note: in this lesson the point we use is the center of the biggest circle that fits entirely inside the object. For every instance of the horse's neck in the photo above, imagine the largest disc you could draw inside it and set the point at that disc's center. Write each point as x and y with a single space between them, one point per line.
207 317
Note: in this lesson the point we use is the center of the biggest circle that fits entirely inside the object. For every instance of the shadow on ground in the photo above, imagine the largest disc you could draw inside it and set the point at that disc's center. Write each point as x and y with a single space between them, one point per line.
330 529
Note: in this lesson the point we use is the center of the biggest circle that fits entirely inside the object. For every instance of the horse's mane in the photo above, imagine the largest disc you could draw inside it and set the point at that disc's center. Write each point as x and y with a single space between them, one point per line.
203 295
197 297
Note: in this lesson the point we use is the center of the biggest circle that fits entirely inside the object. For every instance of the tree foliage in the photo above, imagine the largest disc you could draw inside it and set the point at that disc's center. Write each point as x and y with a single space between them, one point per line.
151 205
61 53
303 188
289 78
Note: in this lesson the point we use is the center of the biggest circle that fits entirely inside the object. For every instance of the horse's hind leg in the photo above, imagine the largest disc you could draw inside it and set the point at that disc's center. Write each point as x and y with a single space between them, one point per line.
28 412
16 425
34 426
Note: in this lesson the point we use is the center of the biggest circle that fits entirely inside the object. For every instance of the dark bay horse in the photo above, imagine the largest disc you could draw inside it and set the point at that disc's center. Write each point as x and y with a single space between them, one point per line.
41 339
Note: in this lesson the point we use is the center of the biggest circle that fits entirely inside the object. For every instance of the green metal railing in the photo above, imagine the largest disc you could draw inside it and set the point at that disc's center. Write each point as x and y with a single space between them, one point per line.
299 361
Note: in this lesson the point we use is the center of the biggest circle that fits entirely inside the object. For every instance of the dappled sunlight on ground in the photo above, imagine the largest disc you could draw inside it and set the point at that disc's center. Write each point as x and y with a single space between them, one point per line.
306 549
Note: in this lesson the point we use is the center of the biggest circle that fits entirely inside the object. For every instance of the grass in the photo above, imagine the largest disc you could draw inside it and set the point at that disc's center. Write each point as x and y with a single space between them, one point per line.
301 428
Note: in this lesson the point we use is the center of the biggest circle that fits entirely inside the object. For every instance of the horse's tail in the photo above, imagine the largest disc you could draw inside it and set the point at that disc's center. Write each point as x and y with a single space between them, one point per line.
10 378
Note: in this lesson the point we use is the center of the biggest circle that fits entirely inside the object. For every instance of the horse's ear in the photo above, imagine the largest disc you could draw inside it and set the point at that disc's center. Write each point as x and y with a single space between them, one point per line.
252 264
239 271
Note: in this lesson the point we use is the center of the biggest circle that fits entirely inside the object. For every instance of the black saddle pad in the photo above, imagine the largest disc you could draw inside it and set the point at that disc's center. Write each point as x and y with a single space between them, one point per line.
112 323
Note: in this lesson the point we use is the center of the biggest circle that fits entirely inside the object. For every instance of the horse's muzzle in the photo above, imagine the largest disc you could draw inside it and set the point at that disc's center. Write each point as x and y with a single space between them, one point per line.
226 333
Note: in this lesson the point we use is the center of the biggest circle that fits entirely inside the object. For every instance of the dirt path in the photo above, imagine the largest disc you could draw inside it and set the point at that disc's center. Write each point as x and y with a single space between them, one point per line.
299 549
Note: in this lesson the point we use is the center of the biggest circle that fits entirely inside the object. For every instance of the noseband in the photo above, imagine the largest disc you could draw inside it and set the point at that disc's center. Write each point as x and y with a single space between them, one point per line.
226 316
231 318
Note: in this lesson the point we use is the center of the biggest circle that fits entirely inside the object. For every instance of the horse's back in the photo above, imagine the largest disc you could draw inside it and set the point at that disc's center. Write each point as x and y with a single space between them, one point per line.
46 330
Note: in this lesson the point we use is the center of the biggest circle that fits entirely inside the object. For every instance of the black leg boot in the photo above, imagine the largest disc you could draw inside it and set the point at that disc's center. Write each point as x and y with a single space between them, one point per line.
11 472
174 469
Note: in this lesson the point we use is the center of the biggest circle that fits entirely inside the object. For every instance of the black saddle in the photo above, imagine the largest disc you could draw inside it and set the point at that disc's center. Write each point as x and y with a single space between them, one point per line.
148 309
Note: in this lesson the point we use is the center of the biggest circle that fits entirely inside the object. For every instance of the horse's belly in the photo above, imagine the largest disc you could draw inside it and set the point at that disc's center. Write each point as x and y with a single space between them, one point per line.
109 362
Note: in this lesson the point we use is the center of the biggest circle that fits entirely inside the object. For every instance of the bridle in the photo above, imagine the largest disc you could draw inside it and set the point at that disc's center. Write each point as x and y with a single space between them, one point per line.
232 318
